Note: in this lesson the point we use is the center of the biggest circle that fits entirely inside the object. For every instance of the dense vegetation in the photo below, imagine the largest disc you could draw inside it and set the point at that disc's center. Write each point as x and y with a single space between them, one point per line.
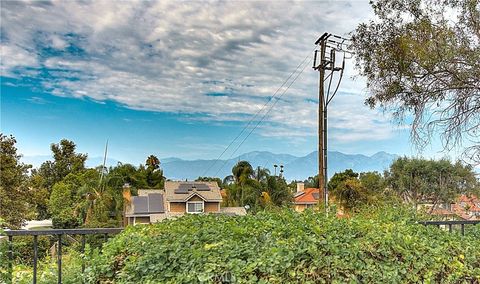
272 245
374 246
75 196
64 190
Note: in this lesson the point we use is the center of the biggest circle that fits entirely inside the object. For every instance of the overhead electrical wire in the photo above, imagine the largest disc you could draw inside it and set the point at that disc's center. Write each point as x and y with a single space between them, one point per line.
257 113
263 117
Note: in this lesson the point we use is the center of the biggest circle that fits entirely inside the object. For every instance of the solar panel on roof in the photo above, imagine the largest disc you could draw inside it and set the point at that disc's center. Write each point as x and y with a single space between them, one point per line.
140 204
181 191
155 203
202 187
186 186
316 195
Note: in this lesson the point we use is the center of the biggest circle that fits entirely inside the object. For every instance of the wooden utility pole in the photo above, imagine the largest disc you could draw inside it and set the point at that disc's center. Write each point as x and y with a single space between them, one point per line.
322 63
322 119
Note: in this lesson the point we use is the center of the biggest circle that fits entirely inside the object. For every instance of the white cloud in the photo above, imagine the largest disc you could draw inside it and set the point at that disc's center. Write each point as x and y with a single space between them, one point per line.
14 58
168 56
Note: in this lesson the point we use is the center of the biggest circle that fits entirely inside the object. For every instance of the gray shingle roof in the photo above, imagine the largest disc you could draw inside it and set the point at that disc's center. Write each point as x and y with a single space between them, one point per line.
181 191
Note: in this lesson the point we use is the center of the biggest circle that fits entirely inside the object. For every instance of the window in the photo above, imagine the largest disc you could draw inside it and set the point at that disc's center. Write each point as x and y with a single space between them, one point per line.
195 207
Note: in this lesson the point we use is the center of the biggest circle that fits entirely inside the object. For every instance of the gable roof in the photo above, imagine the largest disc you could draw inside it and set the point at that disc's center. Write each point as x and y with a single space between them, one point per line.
181 191
308 196
194 193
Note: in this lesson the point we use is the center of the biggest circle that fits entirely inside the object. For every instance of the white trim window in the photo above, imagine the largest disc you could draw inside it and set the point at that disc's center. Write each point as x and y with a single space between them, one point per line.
195 207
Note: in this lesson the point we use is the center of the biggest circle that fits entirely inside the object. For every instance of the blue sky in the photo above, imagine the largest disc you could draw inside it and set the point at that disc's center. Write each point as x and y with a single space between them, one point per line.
179 78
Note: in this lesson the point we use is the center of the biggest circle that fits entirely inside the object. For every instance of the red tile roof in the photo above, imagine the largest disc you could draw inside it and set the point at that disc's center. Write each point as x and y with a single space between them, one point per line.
308 196
459 208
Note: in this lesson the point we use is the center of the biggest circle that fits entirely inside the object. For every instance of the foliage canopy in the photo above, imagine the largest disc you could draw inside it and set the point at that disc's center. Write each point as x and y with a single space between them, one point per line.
422 57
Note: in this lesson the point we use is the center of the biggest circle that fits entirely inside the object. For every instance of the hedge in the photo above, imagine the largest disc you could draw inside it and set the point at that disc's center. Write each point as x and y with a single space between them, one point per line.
385 246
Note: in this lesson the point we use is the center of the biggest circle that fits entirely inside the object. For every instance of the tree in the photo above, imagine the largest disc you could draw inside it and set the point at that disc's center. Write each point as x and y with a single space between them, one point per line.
126 173
242 171
312 182
338 178
278 191
261 174
419 181
373 181
351 194
352 190
421 58
14 193
66 160
210 179
152 162
80 199
62 206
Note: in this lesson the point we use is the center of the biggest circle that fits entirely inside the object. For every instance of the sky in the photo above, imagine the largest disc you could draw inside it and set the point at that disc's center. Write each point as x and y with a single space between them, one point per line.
182 79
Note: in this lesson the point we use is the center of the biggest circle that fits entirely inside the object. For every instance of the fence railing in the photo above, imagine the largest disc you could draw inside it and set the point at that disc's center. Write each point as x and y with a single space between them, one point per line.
450 224
54 232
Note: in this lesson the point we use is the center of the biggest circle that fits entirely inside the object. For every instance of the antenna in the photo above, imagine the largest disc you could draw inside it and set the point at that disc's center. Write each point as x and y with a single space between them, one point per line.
104 161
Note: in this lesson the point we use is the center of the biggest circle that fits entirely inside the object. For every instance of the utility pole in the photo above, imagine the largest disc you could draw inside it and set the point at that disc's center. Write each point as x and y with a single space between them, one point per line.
322 63
321 128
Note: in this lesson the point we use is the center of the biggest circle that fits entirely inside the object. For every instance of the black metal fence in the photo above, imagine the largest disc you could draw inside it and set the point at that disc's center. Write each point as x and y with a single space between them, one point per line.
55 232
450 224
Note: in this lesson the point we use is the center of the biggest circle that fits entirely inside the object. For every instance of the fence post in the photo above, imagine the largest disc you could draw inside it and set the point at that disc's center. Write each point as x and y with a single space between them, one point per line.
35 257
53 232
83 253
59 259
10 257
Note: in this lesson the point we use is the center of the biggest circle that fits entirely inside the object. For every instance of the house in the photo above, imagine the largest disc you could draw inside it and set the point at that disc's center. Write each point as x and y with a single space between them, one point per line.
176 199
465 207
305 197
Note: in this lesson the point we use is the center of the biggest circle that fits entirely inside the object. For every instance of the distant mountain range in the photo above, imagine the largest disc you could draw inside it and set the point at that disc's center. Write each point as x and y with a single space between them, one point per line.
295 168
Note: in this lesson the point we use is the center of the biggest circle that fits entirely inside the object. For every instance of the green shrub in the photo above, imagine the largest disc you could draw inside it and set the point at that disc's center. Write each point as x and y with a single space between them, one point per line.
48 271
23 248
384 246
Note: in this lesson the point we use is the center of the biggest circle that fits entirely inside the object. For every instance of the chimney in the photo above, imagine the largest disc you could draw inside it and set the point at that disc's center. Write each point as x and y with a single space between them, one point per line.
300 187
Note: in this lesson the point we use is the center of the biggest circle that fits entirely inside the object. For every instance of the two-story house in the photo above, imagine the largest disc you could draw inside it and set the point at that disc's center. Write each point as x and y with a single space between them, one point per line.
176 199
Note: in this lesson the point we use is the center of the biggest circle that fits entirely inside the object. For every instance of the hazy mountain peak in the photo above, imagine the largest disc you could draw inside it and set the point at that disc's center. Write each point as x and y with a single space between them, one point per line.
295 168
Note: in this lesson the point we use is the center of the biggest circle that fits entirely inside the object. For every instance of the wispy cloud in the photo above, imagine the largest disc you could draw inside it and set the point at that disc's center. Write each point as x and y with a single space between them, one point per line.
38 100
212 61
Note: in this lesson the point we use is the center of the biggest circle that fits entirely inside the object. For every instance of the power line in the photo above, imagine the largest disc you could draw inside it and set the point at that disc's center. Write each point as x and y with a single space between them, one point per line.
257 113
263 117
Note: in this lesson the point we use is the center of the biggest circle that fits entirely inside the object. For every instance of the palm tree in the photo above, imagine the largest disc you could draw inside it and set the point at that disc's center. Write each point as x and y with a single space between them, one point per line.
242 171
261 174
228 180
152 162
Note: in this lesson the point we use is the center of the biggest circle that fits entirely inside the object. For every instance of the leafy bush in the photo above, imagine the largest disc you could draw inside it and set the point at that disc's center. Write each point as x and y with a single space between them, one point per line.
23 248
47 270
385 246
